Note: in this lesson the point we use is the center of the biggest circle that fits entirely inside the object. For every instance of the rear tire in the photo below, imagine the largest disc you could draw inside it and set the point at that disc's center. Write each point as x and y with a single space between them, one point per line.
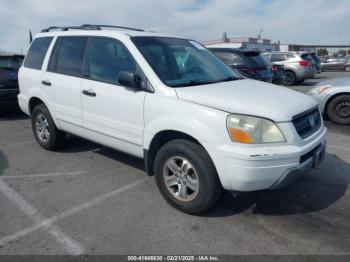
290 78
338 109
186 176
44 128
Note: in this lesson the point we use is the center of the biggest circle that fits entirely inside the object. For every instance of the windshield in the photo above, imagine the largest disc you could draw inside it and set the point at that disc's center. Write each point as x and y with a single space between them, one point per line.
181 62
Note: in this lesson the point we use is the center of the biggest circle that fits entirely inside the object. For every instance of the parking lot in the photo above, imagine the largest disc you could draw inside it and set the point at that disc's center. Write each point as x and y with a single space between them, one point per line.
92 199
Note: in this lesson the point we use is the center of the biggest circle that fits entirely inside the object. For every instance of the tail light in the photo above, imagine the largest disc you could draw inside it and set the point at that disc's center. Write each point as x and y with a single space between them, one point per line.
304 63
274 69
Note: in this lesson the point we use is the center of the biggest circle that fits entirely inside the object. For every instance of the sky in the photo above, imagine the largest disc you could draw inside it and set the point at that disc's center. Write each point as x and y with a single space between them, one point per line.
288 21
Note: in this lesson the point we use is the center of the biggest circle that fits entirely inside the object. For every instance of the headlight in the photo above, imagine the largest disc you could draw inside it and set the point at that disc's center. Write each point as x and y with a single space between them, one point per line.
253 130
319 89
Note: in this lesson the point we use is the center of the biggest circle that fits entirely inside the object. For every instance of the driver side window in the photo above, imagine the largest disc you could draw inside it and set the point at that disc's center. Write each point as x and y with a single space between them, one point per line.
108 57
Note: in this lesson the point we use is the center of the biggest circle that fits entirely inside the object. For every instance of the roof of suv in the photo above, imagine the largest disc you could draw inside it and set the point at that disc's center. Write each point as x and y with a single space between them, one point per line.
97 31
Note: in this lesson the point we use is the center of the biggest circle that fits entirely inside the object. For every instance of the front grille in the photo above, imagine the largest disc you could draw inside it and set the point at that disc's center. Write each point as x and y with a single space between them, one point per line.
307 123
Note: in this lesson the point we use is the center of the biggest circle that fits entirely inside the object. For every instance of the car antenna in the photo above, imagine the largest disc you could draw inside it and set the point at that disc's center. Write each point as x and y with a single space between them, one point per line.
30 36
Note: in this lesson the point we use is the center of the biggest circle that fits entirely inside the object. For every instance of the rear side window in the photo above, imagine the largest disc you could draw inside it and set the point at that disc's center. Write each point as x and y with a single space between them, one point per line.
278 57
108 57
36 53
68 56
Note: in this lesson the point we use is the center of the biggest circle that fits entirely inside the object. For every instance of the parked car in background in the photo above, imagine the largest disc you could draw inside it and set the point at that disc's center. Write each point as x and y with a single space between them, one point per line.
297 68
248 63
199 126
336 64
9 65
333 97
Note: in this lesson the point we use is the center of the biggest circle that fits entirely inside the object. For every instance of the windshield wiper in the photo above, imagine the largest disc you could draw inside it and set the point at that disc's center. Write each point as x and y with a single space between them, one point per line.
230 78
194 83
197 82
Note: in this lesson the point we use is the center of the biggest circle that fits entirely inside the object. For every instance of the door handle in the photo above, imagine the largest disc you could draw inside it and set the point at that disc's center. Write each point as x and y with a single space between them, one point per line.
46 82
89 93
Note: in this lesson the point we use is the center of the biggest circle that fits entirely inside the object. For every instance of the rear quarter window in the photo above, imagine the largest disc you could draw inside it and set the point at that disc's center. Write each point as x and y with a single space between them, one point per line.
278 57
36 53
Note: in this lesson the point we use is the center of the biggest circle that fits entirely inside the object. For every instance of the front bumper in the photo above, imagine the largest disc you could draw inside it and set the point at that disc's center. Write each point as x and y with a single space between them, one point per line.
313 159
250 168
305 73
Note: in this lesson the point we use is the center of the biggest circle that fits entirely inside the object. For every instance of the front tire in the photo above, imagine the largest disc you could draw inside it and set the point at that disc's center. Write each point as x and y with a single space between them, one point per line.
45 131
186 176
338 109
347 69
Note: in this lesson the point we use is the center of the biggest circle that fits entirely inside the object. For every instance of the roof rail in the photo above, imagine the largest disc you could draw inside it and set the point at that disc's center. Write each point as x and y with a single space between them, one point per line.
114 26
87 27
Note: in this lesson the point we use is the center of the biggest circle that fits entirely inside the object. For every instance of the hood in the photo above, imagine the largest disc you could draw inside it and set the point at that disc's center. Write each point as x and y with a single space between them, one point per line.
249 97
343 81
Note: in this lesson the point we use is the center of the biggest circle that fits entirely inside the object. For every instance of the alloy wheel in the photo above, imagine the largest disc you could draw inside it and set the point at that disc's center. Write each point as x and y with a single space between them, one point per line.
181 178
42 127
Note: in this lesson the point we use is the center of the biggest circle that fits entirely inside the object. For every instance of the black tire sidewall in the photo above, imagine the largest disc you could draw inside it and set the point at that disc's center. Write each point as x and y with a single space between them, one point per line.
331 110
52 143
209 184
291 74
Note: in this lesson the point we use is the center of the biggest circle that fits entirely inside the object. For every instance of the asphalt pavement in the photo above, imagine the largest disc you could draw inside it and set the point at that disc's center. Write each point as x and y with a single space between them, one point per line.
89 199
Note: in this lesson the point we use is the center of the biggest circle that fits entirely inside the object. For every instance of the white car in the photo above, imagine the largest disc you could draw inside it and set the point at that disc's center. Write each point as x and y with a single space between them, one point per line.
199 126
333 97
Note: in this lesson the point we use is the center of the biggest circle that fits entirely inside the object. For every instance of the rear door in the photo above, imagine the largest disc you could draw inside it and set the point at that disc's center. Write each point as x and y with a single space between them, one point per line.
31 74
62 81
112 113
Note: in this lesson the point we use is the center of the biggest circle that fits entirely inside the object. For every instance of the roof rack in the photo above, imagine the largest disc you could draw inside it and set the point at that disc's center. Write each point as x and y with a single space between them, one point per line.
88 27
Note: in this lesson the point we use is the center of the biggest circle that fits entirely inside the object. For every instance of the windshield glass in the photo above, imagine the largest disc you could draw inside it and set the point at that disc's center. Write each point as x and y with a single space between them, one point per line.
181 62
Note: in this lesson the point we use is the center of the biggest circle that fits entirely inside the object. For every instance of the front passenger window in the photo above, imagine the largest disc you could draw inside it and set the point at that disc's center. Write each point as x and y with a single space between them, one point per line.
107 58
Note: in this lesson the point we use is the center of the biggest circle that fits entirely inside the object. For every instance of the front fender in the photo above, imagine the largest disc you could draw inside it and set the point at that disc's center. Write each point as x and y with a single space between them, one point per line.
203 123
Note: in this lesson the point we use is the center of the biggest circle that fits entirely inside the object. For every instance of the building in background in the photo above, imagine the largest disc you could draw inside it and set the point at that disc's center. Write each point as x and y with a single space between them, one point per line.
251 43
298 48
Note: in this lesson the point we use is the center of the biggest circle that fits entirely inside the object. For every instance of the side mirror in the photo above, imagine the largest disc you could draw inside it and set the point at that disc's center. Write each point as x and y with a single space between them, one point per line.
129 79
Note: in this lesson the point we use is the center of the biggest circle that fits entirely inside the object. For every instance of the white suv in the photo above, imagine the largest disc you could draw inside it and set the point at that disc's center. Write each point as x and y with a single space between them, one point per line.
199 126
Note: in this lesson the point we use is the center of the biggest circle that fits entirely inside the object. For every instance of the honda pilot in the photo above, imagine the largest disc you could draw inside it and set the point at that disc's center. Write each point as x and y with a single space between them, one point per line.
200 127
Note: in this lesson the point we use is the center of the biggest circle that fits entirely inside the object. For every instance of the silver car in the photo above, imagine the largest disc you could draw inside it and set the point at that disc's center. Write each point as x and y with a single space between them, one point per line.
338 64
297 69
333 97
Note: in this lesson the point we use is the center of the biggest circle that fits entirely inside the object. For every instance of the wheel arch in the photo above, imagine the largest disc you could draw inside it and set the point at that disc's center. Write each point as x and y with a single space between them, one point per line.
161 138
33 102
